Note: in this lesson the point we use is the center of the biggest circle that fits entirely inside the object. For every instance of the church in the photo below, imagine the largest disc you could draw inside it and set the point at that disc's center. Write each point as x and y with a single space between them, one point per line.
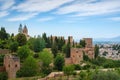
24 31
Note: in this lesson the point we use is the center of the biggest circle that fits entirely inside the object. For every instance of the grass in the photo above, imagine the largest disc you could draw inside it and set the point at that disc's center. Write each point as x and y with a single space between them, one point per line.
27 78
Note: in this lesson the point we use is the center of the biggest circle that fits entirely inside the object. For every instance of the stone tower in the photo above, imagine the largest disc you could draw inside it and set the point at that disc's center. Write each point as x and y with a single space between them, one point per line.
12 65
76 55
25 31
88 42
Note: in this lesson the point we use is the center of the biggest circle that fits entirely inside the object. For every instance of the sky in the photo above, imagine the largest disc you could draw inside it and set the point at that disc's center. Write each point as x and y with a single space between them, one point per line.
77 18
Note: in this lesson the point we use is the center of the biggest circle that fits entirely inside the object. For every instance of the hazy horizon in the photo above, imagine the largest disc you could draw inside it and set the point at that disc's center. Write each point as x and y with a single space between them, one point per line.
77 18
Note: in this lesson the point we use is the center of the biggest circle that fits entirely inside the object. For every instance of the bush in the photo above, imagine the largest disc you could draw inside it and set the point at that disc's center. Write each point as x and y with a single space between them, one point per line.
77 67
1 57
3 76
105 76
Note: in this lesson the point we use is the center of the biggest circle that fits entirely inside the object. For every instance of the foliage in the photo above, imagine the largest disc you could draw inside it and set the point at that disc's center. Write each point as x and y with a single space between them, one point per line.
59 62
83 76
1 57
29 68
77 67
85 57
82 43
68 70
54 49
23 52
3 76
30 43
66 50
46 57
14 46
109 75
38 44
96 50
3 34
21 39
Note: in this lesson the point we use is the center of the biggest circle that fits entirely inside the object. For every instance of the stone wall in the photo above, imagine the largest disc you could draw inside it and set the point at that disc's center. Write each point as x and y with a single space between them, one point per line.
2 69
12 65
76 55
4 51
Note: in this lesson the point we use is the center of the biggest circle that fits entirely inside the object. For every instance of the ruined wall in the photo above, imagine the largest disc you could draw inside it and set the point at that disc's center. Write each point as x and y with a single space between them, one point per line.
12 65
4 51
76 55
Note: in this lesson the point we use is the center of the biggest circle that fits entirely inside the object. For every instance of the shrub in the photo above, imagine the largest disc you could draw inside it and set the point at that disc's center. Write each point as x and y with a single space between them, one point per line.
3 76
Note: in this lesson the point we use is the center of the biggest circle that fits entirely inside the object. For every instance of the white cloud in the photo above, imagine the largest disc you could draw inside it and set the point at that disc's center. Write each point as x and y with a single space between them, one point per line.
22 17
88 8
115 18
39 5
3 13
6 4
45 19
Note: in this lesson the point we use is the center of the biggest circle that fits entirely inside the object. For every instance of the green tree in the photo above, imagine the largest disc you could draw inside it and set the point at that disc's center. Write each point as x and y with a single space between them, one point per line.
105 76
3 76
38 44
66 50
23 52
68 70
59 62
3 34
29 68
30 43
54 49
21 39
82 43
46 57
96 50
44 36
13 46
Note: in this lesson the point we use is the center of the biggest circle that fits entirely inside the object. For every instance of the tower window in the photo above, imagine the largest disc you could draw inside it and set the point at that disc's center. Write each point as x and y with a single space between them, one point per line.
16 65
76 51
9 65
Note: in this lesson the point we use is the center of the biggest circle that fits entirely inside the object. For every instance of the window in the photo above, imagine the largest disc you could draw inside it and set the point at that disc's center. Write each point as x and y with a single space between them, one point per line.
9 65
76 51
15 65
79 56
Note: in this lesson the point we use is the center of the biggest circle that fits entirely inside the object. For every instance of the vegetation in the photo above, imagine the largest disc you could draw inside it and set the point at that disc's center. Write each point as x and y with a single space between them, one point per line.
3 76
59 62
68 70
21 39
29 68
41 55
96 49
23 52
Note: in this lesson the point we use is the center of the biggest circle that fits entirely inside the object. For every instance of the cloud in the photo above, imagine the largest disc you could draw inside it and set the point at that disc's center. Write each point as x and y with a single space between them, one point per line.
6 4
3 13
115 18
45 19
91 7
23 17
39 5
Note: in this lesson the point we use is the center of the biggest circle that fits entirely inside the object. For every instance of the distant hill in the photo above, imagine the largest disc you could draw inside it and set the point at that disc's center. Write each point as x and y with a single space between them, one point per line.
115 39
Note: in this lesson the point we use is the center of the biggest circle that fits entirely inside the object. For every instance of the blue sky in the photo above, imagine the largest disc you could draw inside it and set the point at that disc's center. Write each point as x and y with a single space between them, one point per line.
77 18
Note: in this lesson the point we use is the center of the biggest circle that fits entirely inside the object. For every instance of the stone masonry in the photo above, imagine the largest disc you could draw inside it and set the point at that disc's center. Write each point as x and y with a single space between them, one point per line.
76 54
12 65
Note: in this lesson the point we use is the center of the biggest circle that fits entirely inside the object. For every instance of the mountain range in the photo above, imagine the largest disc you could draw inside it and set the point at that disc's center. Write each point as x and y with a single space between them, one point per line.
114 39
